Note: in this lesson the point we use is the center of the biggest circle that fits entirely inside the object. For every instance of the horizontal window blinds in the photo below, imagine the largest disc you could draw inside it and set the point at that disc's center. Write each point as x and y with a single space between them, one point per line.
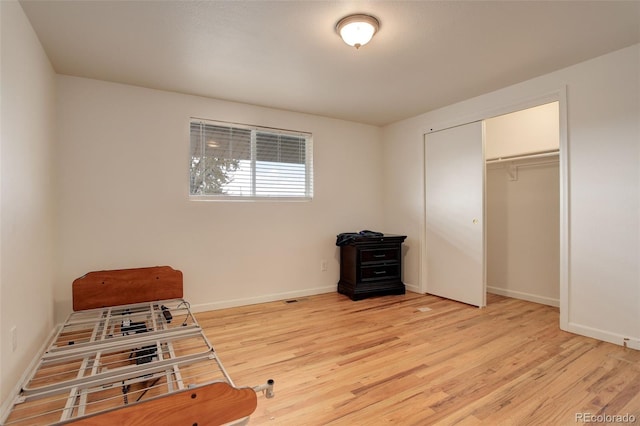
242 161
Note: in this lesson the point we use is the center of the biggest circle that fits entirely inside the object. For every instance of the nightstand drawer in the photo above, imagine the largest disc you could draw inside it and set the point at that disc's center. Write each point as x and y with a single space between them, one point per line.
379 272
379 254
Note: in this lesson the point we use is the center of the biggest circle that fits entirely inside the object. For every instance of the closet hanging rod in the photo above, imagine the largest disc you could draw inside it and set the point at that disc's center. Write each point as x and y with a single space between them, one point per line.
523 157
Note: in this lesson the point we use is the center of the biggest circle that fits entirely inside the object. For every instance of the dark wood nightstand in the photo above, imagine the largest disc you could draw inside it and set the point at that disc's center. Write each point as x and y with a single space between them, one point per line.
371 266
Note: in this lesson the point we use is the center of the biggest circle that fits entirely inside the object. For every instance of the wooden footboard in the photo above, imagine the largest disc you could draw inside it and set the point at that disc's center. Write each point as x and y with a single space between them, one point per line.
213 404
125 286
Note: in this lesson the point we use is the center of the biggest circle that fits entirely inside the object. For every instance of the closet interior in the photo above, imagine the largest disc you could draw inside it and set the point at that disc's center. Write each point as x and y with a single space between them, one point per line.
522 190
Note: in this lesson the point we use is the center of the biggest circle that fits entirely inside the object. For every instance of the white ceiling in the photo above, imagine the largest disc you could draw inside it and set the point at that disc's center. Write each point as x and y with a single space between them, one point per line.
287 55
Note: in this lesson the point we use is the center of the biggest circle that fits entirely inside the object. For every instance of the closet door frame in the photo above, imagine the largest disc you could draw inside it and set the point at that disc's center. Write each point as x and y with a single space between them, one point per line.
559 95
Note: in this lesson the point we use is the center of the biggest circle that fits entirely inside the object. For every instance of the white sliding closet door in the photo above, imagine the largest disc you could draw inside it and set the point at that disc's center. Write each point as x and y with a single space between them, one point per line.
454 163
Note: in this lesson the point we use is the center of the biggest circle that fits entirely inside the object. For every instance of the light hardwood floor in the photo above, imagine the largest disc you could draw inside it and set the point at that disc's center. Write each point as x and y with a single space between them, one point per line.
385 361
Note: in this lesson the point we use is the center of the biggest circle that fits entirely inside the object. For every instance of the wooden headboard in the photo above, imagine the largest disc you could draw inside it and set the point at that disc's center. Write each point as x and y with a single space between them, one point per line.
100 289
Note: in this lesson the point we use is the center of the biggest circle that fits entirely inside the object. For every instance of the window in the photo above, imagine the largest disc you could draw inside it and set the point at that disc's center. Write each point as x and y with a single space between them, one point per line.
236 161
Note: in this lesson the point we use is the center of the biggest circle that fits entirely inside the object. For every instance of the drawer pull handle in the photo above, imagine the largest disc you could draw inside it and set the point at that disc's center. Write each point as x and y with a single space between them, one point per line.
379 272
379 255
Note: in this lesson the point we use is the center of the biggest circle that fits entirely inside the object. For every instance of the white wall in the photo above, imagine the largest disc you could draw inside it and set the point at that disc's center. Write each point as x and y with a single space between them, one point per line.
603 110
26 194
528 131
123 197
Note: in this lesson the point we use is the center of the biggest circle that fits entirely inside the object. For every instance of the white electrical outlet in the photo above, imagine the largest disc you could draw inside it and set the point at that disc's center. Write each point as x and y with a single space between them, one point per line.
323 265
14 338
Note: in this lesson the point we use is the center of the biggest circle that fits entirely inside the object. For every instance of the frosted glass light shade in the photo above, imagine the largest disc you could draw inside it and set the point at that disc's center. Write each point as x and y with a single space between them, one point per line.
357 30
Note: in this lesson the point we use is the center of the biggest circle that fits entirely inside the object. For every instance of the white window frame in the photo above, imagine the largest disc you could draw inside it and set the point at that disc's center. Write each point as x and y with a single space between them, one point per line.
308 165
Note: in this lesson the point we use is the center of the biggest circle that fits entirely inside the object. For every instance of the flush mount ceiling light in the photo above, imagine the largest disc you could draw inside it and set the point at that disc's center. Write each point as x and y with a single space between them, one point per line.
357 30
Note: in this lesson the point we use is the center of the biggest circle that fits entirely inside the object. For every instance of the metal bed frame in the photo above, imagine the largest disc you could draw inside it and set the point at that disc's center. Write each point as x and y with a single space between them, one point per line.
147 362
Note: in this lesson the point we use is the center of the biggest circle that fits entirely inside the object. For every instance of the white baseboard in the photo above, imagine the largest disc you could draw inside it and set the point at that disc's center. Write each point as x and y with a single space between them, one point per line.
412 288
594 333
606 336
232 303
524 296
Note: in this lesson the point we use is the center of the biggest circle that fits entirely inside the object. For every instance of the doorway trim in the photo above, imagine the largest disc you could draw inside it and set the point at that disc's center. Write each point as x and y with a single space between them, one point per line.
559 95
